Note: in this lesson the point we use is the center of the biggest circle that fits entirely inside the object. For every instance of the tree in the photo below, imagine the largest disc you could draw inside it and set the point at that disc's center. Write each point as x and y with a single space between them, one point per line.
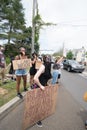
12 19
13 27
69 55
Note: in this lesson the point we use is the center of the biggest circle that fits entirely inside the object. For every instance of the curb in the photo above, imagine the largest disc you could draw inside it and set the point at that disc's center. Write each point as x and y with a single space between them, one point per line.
5 109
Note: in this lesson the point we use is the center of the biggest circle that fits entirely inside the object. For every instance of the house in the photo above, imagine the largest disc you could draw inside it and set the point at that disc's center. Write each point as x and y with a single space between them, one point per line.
80 55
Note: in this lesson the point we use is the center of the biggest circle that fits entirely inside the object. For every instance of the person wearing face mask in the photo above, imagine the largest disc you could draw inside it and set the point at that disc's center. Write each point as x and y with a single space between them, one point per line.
2 64
21 73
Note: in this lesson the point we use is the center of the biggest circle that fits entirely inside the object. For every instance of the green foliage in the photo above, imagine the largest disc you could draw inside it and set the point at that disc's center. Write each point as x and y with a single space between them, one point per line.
14 30
69 55
12 19
13 49
7 60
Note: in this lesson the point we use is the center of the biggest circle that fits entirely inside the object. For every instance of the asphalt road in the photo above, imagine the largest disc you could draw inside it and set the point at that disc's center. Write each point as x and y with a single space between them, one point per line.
76 84
70 112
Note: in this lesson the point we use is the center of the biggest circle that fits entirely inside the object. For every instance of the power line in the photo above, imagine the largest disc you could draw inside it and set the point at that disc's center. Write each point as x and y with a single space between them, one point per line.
73 25
46 50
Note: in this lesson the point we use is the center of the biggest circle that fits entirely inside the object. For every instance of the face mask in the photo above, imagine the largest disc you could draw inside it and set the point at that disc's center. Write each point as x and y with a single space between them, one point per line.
22 53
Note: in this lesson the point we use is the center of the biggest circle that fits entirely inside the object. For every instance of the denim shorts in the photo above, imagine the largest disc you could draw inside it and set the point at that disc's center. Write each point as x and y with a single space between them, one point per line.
21 72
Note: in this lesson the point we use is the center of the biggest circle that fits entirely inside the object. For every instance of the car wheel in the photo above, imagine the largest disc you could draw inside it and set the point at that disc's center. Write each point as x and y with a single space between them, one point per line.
80 72
69 69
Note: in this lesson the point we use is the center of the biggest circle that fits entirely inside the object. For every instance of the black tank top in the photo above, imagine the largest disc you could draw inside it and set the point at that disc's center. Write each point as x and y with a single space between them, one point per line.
32 69
44 77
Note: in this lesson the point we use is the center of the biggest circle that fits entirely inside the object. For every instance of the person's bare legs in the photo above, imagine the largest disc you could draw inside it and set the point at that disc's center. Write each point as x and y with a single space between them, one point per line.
18 81
24 81
31 80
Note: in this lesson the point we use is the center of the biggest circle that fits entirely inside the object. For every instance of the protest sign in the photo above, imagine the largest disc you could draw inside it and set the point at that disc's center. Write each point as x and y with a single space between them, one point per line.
21 64
39 105
38 64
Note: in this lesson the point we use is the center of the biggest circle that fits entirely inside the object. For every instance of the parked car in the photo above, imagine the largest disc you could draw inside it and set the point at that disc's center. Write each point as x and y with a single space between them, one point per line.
73 65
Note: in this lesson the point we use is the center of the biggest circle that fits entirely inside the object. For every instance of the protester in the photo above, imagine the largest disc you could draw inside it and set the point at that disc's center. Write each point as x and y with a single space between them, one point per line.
32 70
42 76
11 70
2 64
21 73
59 61
55 72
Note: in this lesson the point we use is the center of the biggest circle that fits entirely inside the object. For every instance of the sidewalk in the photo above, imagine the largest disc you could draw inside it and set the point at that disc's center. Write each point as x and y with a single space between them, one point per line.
69 115
86 68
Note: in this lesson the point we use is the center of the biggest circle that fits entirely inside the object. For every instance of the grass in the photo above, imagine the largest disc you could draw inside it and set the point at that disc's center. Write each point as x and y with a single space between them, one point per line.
10 86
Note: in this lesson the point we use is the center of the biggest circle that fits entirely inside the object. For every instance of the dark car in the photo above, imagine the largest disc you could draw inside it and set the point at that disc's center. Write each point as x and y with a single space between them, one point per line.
73 65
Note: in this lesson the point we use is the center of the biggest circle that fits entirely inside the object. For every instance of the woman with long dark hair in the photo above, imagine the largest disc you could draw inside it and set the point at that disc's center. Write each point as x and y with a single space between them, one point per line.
42 76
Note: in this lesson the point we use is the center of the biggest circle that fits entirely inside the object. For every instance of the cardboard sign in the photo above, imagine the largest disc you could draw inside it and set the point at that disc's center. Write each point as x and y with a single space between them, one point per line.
39 105
38 64
21 64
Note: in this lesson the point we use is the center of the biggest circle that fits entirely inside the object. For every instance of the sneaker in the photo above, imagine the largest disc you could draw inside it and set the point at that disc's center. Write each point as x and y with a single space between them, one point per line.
86 124
25 89
20 95
39 124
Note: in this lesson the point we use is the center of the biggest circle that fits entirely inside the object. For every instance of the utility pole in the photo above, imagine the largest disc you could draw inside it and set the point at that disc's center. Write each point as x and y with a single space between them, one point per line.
33 26
34 11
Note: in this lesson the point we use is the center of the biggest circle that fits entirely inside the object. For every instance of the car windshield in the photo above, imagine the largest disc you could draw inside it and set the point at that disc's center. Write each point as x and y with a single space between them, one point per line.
73 62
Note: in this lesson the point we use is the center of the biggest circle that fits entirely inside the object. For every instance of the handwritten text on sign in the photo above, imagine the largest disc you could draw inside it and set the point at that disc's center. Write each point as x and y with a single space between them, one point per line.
39 105
21 64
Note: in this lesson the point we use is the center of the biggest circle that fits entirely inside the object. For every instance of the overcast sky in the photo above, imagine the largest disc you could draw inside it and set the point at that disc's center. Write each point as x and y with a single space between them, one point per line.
70 17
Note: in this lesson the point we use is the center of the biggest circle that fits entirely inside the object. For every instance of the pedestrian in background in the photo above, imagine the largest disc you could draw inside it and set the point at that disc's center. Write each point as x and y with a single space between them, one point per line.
21 73
55 72
11 70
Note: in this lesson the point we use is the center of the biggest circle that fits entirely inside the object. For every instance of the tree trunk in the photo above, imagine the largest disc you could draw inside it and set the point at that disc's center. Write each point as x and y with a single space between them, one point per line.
9 34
